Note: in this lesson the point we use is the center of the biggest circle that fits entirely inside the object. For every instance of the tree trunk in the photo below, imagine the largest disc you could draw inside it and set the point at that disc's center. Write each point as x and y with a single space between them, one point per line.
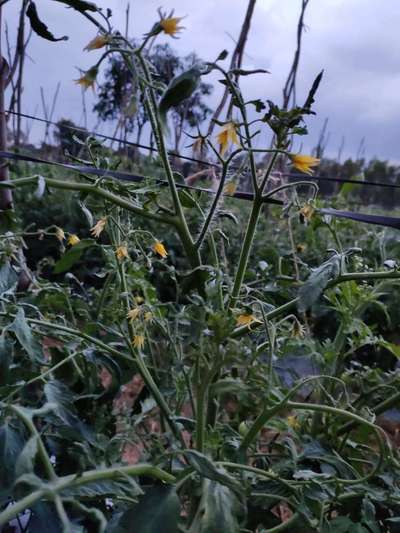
5 194
236 61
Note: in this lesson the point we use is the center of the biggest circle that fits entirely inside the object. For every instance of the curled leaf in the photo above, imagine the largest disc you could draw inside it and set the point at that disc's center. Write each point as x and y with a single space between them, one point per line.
40 27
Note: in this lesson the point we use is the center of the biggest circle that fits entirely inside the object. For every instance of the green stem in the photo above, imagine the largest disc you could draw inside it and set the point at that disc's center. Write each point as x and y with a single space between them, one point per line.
97 191
201 415
288 306
390 402
246 248
27 420
76 333
144 371
358 419
151 107
74 480
213 207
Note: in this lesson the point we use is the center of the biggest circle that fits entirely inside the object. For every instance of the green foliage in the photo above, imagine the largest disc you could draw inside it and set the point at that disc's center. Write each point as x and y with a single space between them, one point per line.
193 364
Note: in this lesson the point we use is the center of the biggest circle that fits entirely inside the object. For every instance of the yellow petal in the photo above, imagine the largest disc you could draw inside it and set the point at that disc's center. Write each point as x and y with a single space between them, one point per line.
98 42
246 320
133 313
148 316
73 240
304 162
121 252
226 136
159 249
230 188
307 211
98 227
293 422
138 341
170 25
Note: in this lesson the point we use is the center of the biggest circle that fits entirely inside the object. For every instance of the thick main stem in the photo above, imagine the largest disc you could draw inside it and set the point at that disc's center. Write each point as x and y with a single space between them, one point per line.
246 248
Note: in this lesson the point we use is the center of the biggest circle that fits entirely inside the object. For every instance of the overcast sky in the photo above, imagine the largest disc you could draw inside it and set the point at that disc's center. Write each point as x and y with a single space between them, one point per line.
356 42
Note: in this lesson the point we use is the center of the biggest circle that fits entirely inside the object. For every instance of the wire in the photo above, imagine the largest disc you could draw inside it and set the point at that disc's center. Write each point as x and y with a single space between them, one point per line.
377 220
290 175
110 138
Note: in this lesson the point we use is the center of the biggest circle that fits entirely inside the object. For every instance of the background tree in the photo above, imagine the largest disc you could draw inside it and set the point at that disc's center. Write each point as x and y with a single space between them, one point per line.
119 99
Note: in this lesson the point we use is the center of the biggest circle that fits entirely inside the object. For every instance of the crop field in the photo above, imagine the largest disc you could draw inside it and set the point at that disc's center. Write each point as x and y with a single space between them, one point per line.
199 318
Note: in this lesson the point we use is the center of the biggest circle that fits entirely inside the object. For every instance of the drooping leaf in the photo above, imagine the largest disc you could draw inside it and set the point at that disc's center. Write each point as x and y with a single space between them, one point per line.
206 468
80 5
6 357
8 278
123 487
245 72
158 510
310 98
45 518
59 394
26 460
25 337
317 282
39 27
72 255
11 445
219 510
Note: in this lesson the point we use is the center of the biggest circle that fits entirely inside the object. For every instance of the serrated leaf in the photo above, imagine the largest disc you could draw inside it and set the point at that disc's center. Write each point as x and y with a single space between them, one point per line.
8 278
219 510
157 511
125 486
72 255
23 332
206 468
58 393
39 27
317 282
186 199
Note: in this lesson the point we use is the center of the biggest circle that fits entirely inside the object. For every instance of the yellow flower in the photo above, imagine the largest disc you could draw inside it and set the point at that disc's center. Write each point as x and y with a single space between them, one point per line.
293 422
170 25
298 330
230 188
227 135
138 341
133 313
300 248
98 227
139 299
148 316
88 79
307 212
121 252
98 42
60 234
246 320
304 162
159 249
73 239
